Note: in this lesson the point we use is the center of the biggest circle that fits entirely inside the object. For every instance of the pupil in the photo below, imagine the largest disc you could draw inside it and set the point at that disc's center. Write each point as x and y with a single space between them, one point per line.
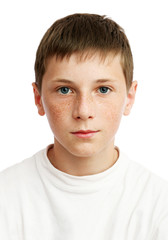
103 89
64 90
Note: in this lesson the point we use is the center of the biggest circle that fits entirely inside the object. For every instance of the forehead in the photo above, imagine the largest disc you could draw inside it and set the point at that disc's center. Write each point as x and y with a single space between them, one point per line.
86 65
85 56
84 71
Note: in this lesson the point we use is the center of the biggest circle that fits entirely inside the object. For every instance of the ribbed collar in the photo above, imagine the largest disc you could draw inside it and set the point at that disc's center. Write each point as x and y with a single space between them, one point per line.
81 184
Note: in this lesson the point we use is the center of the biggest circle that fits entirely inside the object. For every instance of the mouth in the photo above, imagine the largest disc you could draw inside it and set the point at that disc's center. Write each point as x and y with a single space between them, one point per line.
85 133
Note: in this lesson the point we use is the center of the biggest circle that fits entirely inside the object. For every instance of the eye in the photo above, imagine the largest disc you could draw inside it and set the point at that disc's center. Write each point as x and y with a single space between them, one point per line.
104 90
64 90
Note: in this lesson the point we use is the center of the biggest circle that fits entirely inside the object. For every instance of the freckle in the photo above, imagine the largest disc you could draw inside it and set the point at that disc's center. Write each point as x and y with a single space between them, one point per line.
60 110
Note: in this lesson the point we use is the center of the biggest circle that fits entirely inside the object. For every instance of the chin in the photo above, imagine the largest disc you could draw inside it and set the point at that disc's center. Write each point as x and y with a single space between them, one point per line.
83 153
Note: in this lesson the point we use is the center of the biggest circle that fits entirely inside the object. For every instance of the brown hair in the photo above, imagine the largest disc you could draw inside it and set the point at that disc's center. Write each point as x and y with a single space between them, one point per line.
84 33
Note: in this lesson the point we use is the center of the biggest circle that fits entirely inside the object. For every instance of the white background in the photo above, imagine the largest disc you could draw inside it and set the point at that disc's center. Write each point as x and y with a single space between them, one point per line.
142 135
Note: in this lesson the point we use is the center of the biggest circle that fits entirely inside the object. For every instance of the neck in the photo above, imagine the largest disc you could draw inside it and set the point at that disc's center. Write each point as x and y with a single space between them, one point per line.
82 166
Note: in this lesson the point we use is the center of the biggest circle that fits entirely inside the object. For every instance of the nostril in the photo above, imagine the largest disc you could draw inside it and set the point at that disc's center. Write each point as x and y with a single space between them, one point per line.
81 118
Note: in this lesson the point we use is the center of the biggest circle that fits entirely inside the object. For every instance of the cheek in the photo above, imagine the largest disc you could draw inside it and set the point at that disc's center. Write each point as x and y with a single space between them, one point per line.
113 119
112 111
57 112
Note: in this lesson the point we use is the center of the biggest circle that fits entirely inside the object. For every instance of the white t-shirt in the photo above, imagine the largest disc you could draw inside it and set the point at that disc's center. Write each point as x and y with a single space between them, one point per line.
39 202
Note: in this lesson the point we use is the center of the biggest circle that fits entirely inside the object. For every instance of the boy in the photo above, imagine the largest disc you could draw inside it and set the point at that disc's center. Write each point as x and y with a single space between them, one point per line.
83 186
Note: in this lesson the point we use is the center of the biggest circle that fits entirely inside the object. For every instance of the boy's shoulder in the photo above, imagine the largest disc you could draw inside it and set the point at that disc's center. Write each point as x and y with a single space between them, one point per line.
19 173
138 177
140 171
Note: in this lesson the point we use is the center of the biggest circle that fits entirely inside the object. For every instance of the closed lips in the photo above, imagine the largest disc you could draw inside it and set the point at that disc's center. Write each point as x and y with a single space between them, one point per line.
85 132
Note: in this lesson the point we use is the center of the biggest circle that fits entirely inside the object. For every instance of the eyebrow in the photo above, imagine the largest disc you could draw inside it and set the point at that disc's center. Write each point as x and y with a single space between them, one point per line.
96 81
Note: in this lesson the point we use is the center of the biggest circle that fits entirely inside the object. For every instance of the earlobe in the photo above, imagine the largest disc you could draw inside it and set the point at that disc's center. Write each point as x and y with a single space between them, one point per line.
130 98
38 101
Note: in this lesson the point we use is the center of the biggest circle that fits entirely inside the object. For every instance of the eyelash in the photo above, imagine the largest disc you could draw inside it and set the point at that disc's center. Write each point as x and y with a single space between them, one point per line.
109 90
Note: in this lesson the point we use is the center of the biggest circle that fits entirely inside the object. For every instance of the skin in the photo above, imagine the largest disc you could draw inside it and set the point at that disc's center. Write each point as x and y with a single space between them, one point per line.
84 105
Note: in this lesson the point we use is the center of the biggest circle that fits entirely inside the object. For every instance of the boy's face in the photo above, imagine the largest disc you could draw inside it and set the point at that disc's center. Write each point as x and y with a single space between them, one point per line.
84 95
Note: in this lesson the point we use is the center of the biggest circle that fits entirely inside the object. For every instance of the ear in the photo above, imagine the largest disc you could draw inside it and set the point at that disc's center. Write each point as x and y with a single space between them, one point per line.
38 101
130 98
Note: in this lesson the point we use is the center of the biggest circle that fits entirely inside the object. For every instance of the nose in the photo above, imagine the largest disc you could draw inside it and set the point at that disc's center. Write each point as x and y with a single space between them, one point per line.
84 107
